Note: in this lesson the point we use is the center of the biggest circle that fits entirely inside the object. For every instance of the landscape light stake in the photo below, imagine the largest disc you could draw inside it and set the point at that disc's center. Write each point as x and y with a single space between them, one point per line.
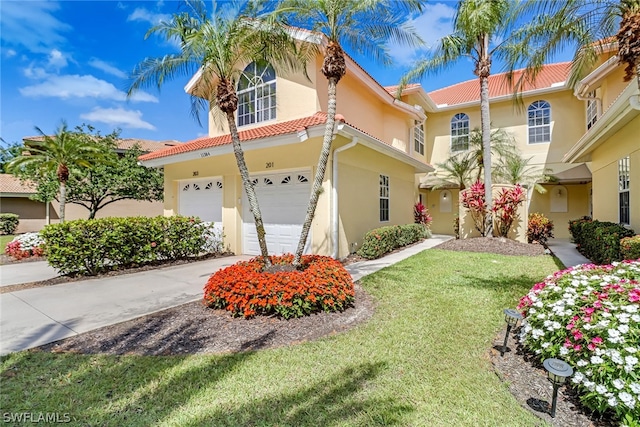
557 371
512 317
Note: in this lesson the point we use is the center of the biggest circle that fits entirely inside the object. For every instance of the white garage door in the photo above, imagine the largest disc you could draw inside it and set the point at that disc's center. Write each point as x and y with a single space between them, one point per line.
283 199
202 198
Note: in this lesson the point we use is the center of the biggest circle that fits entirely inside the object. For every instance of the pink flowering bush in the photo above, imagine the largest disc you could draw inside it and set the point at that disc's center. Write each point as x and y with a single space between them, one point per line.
505 208
590 317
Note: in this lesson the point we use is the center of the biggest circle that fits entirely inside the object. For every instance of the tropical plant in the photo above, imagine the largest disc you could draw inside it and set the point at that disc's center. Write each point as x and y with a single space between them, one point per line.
421 214
456 170
365 26
539 228
219 47
588 26
505 208
514 169
502 145
476 23
57 154
474 199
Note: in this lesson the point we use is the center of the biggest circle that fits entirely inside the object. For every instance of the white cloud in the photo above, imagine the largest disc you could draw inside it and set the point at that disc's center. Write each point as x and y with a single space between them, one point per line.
107 68
32 25
37 73
75 86
131 119
435 23
57 59
142 14
9 53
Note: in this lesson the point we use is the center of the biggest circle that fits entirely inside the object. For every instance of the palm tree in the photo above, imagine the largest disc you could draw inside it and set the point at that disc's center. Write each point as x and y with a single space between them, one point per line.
587 26
59 153
456 170
514 169
364 25
475 24
220 47
501 143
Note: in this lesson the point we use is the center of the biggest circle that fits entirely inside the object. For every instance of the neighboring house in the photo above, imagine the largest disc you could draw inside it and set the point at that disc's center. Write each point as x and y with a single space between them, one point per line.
14 196
370 180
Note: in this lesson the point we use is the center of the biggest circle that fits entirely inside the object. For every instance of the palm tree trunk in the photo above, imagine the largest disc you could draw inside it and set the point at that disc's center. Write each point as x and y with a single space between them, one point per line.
63 199
320 171
484 70
249 189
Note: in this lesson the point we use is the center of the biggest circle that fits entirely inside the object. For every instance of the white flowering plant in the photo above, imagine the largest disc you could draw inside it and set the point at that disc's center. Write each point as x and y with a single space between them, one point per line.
25 245
589 316
213 236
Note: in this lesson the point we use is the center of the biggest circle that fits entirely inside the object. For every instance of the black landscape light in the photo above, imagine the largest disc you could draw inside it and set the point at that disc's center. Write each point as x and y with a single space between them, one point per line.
512 317
557 371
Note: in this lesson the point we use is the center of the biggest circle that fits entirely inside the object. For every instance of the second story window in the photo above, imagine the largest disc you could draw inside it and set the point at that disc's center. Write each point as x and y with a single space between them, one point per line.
623 191
539 121
256 94
460 132
418 137
592 109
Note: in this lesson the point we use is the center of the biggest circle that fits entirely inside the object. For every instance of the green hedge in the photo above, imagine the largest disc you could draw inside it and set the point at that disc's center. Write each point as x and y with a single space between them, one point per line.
9 223
630 247
93 246
599 241
380 241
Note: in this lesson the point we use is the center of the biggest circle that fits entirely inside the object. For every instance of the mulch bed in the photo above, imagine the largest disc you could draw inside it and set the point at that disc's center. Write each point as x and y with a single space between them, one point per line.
195 329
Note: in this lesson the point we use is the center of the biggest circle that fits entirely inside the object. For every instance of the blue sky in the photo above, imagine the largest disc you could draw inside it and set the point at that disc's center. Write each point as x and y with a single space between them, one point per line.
70 60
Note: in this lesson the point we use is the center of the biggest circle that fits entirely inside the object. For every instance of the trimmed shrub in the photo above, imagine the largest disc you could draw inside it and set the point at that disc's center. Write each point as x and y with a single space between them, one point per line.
599 241
9 223
590 317
244 289
25 246
93 246
630 247
539 228
380 241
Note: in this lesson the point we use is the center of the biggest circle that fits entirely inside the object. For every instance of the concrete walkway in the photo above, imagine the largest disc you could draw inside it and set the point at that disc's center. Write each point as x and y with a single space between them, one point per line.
566 252
38 316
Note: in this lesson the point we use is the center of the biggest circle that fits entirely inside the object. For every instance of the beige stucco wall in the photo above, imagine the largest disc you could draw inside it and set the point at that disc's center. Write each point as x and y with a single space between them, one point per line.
578 205
605 174
442 222
31 214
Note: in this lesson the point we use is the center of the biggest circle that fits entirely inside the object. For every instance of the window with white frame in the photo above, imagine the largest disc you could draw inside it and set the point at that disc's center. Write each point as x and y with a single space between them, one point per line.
460 132
592 109
256 94
418 137
384 198
623 190
539 121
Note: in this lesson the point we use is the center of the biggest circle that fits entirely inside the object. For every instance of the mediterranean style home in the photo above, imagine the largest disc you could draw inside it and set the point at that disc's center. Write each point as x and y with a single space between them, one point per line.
34 215
384 148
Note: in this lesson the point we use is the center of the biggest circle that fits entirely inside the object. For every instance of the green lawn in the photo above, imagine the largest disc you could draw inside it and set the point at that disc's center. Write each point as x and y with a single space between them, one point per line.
420 361
4 240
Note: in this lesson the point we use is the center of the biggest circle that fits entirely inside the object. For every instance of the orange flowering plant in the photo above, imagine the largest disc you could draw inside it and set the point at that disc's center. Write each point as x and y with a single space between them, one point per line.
244 289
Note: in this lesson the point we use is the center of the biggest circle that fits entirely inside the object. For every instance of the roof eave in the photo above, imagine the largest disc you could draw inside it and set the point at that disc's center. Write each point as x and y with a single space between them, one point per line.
584 85
551 89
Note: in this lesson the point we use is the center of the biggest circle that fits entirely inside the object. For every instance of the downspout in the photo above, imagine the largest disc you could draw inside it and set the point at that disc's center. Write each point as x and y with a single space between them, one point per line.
335 221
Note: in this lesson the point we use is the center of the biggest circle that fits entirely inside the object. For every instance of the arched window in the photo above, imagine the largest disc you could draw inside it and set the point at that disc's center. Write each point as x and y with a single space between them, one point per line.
539 116
460 132
257 94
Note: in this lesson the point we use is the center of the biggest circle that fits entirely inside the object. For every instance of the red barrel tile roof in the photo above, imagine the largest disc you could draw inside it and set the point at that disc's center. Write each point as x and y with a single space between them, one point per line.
11 184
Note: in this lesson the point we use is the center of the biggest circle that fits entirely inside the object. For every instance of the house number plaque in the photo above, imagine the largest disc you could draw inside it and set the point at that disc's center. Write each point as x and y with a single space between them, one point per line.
269 165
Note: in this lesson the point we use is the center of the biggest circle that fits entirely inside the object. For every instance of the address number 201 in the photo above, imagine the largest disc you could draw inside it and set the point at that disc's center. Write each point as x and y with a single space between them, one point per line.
269 165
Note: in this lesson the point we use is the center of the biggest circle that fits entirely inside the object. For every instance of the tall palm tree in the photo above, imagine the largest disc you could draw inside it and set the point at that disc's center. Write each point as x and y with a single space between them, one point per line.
586 26
476 23
363 25
58 153
514 169
219 47
456 170
501 143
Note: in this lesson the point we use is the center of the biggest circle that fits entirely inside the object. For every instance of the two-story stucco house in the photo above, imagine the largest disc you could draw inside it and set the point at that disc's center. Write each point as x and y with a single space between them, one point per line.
370 180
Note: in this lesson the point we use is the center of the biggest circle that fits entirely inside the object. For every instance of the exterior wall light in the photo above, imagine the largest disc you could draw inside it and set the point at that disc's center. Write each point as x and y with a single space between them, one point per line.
557 371
512 317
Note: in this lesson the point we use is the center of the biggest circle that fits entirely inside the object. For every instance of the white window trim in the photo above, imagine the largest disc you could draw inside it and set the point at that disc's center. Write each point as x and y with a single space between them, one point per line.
418 137
624 184
451 136
253 88
384 195
529 127
592 109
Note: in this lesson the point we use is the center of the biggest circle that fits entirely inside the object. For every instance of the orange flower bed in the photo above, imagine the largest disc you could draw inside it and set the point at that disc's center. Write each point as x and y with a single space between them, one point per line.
322 284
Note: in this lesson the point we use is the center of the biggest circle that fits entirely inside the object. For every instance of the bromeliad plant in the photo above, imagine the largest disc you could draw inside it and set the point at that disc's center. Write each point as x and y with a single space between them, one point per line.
590 317
246 289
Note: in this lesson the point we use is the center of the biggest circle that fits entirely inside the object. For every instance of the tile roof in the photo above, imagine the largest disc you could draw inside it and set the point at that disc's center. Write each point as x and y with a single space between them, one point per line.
146 145
276 129
11 184
393 89
469 91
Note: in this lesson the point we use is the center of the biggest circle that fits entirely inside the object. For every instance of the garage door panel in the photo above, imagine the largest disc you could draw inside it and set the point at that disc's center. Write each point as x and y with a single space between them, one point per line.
201 198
